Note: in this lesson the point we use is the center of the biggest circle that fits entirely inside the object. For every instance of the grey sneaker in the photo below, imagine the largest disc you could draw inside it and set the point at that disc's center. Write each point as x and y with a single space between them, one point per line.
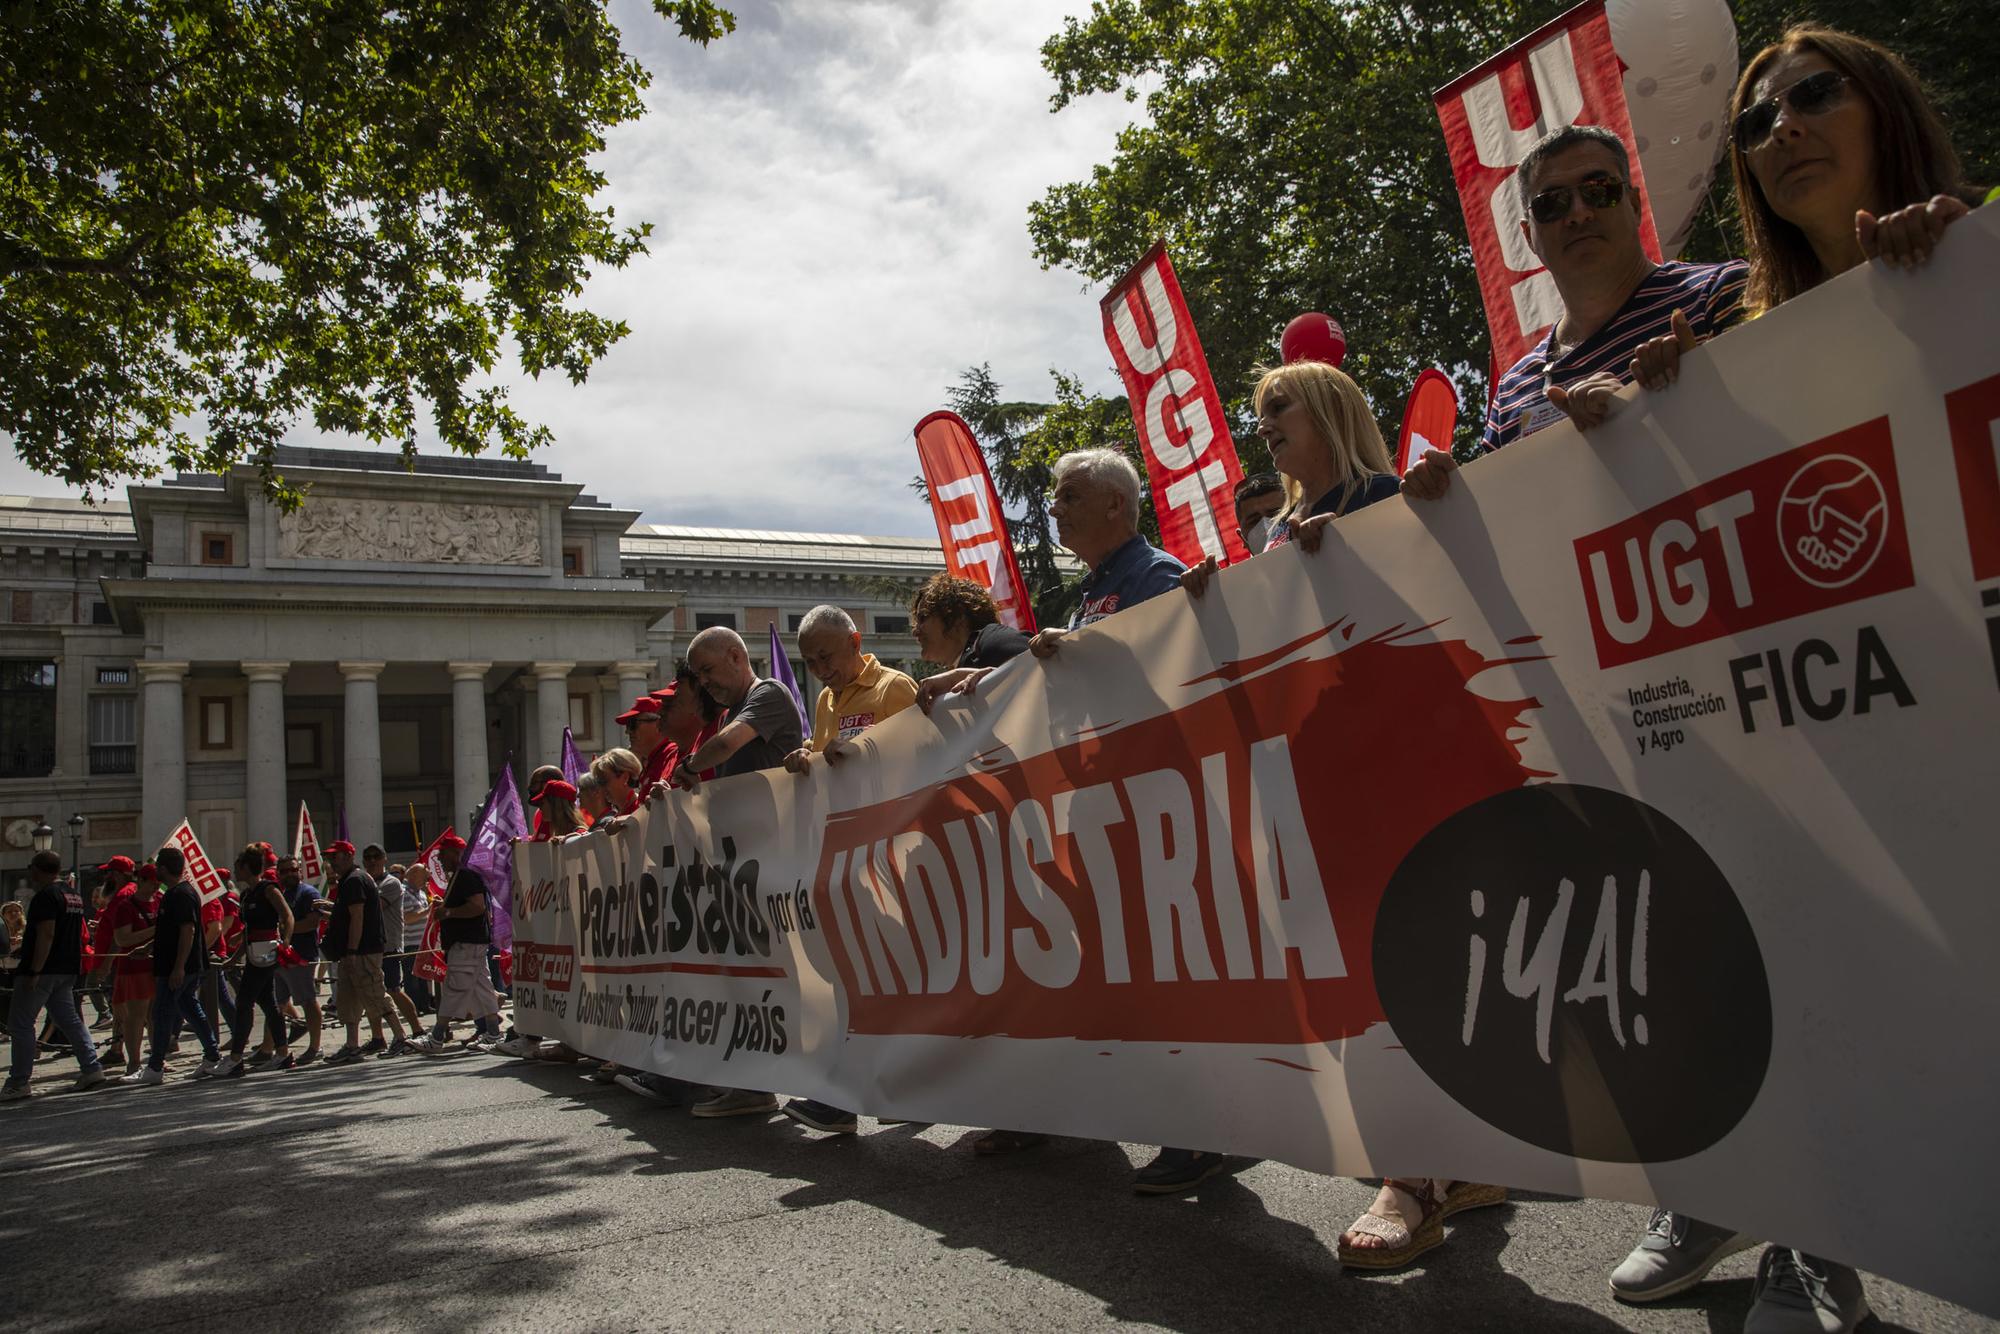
1675 1254
1798 1293
12 1092
736 1102
90 1079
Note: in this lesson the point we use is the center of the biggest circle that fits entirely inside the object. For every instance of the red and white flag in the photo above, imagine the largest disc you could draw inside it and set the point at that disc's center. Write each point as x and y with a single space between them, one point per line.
1183 432
1564 73
969 519
305 847
1429 418
201 871
429 963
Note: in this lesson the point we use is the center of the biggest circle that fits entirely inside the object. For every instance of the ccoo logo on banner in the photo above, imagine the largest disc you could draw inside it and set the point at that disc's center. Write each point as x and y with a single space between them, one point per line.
1617 825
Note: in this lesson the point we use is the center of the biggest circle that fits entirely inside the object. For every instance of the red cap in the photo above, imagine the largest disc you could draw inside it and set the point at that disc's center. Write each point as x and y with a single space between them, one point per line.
149 872
666 692
555 787
340 845
451 840
643 707
119 866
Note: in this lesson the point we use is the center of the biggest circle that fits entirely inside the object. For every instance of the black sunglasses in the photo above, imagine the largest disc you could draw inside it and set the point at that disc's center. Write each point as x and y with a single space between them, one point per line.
1814 95
1553 204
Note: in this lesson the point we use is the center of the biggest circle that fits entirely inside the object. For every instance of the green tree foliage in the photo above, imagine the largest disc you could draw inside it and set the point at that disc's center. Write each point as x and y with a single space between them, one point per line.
217 215
1293 161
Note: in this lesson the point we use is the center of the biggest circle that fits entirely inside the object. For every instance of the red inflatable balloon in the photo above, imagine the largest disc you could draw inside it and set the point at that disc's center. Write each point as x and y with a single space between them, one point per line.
1314 337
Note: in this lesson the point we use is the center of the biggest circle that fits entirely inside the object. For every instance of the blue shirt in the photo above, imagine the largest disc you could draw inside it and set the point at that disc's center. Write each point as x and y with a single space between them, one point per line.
1128 576
1710 295
1377 486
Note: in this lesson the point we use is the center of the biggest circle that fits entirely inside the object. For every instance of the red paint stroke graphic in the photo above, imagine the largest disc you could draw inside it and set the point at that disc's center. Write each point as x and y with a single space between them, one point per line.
1208 875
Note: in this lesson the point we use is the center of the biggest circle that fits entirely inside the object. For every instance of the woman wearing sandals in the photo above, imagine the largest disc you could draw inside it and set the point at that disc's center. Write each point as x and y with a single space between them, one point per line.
1324 440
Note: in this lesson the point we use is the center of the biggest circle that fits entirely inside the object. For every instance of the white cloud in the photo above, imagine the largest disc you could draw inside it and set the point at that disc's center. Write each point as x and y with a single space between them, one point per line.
839 196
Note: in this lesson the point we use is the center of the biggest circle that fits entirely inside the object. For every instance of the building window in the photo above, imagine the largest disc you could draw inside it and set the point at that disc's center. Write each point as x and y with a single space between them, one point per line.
580 729
708 620
27 718
114 676
23 609
302 746
218 549
114 734
574 564
794 620
100 614
886 624
216 719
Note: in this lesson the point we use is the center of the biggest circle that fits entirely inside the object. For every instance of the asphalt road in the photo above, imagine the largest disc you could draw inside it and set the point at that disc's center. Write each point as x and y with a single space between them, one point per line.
470 1192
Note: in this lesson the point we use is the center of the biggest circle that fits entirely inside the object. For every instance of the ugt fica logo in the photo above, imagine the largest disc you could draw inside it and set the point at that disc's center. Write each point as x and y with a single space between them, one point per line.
1833 520
1802 531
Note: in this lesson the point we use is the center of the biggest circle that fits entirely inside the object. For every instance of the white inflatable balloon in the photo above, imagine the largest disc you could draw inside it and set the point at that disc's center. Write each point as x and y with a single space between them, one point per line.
1680 66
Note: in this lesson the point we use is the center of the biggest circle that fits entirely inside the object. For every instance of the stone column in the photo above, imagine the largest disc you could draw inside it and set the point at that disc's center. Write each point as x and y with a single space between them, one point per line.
609 705
264 755
362 758
469 775
551 714
163 752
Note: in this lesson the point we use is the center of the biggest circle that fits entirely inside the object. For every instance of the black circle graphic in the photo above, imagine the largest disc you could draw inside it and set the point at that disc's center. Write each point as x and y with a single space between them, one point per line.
1633 1026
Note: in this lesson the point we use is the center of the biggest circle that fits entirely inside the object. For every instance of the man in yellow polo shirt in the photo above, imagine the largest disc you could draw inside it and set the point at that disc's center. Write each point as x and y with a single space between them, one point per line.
859 692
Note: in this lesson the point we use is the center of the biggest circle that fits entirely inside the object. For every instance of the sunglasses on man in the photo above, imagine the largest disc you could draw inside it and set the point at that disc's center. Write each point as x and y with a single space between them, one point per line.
1814 95
1553 204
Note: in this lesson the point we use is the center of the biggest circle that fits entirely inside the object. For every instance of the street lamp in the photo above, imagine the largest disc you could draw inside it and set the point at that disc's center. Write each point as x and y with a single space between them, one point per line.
75 823
45 837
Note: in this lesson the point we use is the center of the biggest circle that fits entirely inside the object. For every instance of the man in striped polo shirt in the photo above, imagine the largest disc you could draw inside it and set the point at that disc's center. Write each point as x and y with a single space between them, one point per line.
1580 215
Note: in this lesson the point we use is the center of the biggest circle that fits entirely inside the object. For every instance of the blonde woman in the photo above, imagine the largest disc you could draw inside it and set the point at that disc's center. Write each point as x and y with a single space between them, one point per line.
617 773
1324 442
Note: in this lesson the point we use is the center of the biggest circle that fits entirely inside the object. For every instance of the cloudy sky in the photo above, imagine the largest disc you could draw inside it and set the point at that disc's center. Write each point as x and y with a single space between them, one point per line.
839 196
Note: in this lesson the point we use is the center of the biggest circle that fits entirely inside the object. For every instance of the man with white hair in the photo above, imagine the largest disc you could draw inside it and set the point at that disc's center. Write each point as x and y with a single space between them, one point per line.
859 692
760 726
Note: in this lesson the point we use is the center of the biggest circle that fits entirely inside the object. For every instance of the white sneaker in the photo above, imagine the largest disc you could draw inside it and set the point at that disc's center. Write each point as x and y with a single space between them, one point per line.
145 1074
90 1079
427 1045
207 1069
526 1048
225 1066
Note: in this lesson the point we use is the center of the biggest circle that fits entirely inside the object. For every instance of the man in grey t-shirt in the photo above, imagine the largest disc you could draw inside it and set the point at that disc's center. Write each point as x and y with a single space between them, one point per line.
761 724
395 965
761 727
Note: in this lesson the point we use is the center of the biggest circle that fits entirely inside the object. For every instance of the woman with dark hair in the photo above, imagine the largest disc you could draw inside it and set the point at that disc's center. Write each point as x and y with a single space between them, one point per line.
554 800
957 626
1838 158
267 923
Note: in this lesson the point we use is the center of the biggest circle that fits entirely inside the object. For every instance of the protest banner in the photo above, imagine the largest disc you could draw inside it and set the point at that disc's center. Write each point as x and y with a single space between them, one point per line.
972 527
1677 887
1183 430
1564 73
429 963
305 847
201 872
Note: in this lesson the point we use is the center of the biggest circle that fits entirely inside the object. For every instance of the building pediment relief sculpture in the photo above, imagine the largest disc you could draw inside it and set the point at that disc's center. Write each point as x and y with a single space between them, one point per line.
418 532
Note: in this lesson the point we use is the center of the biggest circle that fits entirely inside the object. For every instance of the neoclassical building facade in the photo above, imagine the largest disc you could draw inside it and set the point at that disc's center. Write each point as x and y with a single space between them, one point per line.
194 653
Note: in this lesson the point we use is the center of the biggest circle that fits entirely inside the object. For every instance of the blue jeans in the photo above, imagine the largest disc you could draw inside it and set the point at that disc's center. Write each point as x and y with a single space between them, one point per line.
55 992
182 1002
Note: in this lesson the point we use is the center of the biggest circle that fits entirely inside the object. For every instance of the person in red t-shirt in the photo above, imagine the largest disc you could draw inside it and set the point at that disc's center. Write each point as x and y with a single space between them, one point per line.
131 915
617 771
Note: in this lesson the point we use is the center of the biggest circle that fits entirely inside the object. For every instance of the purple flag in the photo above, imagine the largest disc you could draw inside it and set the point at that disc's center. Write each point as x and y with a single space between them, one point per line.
491 853
781 672
573 764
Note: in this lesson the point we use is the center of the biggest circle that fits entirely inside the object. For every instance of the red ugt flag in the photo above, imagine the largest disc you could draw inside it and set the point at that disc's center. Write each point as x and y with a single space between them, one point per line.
1565 73
969 520
1183 434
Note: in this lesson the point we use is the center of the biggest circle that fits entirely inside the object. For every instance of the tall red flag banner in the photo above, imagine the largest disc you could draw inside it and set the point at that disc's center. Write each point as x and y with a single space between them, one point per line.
1429 417
1565 73
429 963
969 519
201 871
305 847
1183 433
